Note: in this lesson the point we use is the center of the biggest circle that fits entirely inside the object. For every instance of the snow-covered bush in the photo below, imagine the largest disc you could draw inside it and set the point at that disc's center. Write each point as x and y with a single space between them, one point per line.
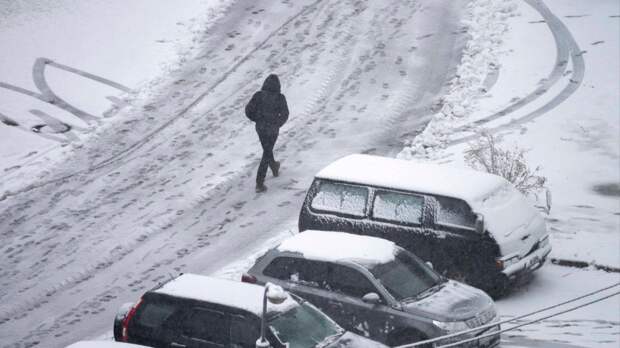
485 154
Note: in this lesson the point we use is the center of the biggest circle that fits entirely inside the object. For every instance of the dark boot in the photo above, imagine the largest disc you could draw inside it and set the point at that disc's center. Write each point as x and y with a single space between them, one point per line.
261 188
275 168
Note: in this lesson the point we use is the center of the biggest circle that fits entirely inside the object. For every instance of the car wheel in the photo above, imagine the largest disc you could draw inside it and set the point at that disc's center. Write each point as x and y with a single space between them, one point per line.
500 287
399 338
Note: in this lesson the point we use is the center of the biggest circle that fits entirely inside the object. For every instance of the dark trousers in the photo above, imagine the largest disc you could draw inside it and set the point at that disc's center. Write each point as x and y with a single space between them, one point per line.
267 141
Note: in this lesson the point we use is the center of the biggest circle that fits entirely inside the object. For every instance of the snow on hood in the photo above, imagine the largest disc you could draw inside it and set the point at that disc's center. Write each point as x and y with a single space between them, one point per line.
509 217
351 340
337 246
454 301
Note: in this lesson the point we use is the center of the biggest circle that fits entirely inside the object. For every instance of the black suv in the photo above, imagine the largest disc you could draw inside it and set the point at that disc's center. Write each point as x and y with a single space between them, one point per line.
474 227
204 312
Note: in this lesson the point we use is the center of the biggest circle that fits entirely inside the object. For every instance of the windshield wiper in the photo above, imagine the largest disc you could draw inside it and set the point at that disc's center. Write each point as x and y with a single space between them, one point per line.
424 293
329 339
433 289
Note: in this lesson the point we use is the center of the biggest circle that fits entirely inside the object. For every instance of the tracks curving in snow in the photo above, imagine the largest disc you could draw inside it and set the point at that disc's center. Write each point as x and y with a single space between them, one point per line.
568 51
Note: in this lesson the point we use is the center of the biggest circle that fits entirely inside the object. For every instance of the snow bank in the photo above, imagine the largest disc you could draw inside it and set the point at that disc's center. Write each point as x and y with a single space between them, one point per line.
485 21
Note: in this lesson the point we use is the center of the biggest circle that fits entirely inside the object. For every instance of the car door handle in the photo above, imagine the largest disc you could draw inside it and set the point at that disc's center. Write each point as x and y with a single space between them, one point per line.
177 345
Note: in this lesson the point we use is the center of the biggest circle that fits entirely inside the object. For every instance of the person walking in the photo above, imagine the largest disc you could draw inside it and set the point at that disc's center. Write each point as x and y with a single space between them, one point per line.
268 109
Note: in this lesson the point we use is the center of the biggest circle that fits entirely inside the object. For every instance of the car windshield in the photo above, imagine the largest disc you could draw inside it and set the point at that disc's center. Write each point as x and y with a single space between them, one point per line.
406 276
304 326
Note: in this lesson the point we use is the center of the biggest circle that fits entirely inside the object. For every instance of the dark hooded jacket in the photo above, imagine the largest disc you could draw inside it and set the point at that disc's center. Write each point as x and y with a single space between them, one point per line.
268 107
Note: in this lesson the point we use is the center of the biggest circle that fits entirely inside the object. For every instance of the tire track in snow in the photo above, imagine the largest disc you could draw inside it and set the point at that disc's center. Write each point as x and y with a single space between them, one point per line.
567 48
203 227
126 152
89 271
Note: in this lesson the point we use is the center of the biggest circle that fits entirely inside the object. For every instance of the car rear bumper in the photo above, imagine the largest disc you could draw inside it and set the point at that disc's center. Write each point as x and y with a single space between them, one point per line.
529 263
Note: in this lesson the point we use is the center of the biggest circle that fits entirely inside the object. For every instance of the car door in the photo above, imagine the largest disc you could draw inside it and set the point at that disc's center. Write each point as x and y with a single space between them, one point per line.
204 327
302 277
345 288
340 299
401 218
463 251
244 330
156 320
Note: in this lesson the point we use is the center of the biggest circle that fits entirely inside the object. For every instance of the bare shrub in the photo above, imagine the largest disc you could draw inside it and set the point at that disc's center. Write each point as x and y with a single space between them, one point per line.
485 154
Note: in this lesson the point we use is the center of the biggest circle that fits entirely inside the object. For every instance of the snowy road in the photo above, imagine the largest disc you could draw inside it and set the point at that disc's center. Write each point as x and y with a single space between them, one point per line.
169 186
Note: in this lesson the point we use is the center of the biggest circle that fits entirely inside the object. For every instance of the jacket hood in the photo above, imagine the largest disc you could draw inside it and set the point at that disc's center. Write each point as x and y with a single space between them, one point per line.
272 84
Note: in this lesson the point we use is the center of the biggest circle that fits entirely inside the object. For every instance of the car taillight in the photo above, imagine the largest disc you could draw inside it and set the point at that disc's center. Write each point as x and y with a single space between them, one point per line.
130 314
246 278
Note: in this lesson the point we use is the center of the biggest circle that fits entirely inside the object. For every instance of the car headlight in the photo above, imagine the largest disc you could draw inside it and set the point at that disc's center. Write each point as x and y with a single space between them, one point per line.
505 263
451 326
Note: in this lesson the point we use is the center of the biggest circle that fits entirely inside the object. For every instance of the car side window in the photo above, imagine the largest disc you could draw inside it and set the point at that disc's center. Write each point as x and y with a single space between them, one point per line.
301 271
398 207
455 212
341 198
154 313
243 331
207 325
348 281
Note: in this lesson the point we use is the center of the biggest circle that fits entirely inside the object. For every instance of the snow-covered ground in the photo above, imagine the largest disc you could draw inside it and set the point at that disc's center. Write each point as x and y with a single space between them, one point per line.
551 86
167 184
163 181
119 48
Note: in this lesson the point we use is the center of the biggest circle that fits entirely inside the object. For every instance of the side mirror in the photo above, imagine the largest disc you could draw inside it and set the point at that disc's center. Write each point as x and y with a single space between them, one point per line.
262 344
430 264
371 298
479 223
275 294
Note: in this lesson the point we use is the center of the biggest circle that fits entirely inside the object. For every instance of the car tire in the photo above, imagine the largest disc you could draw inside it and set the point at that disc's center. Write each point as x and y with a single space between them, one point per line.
399 338
500 287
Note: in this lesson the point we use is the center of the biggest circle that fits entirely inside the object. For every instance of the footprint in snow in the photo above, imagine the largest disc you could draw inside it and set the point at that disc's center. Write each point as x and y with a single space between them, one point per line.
424 36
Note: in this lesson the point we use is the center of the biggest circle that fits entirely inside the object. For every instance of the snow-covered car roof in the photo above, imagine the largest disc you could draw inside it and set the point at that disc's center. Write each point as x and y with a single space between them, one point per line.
339 246
462 183
229 293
